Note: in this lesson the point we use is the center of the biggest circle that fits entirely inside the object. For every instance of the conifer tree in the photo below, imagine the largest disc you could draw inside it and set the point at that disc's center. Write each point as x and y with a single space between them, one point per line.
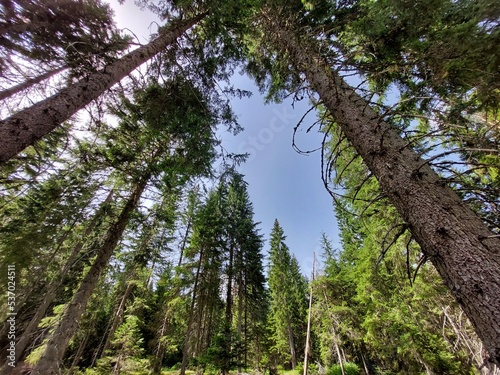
288 300
29 125
447 230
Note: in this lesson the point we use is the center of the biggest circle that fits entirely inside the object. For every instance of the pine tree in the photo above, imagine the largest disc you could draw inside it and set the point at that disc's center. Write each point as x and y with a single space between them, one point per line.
447 231
31 124
288 299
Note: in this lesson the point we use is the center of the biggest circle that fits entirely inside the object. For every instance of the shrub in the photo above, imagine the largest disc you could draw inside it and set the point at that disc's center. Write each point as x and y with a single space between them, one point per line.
350 368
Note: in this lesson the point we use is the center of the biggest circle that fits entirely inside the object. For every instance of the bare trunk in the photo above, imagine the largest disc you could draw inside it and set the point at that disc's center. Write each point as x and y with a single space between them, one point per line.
461 247
184 242
31 124
50 361
4 94
365 365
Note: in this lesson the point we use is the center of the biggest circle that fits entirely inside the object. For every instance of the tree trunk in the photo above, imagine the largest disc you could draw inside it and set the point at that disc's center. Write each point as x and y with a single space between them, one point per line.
79 353
31 124
51 359
184 242
461 247
4 94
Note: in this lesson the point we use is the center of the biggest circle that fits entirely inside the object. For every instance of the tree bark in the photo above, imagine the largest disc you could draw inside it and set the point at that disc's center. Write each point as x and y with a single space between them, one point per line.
50 361
461 247
31 124
4 94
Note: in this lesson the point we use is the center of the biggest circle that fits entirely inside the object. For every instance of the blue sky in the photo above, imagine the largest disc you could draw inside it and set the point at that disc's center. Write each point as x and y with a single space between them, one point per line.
282 183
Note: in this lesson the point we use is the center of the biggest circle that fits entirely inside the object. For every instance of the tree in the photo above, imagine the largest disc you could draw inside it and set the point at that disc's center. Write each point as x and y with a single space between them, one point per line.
52 289
29 125
227 244
58 342
158 146
288 302
78 34
4 94
456 241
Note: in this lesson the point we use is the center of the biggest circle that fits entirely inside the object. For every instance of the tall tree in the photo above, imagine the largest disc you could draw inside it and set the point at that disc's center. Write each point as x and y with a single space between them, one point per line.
57 344
288 299
462 248
157 145
29 125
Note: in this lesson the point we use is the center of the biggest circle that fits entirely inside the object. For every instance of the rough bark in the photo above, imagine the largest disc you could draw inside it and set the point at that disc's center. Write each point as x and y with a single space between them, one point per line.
4 94
49 363
29 125
461 247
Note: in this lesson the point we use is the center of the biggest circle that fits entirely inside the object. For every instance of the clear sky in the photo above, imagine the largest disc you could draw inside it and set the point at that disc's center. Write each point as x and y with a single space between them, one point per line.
282 183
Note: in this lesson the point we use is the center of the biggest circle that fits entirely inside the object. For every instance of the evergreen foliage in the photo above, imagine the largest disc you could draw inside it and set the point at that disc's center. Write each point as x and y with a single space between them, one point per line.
135 252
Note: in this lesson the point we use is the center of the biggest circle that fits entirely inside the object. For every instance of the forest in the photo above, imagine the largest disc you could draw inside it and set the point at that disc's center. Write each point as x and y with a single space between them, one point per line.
128 238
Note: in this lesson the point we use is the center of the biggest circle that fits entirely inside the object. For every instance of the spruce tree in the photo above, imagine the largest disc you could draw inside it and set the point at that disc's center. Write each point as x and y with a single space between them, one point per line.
288 300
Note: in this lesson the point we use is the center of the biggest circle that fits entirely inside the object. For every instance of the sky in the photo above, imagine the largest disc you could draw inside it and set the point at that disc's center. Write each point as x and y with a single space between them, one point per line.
282 184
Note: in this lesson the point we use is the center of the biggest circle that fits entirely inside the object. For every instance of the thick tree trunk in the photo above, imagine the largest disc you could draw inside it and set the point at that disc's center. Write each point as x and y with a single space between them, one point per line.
461 247
4 94
31 124
50 361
